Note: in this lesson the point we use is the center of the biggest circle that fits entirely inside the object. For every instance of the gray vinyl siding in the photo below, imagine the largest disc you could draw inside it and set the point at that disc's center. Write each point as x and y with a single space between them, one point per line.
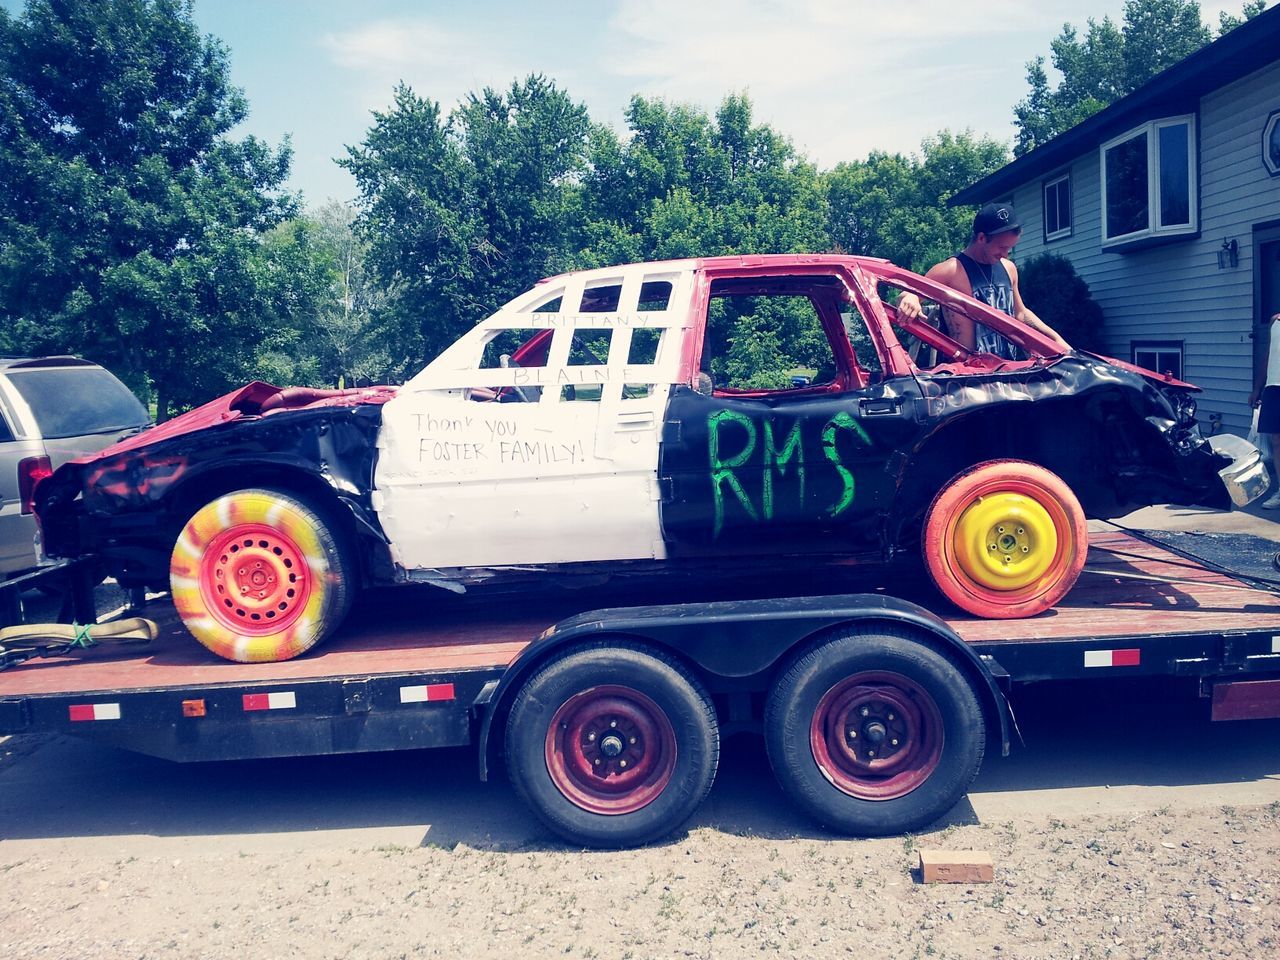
1176 291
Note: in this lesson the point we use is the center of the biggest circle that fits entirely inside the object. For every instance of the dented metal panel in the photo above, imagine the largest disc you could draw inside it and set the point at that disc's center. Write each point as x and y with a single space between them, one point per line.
554 463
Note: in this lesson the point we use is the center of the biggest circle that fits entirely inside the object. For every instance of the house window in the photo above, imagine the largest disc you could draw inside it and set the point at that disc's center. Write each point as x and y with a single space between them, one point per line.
1162 356
1148 182
1057 208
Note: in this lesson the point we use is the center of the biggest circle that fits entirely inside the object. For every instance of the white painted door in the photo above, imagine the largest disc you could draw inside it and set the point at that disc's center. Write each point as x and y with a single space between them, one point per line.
534 438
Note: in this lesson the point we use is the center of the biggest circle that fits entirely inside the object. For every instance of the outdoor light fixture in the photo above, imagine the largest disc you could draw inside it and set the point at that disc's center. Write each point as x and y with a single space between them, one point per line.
1229 255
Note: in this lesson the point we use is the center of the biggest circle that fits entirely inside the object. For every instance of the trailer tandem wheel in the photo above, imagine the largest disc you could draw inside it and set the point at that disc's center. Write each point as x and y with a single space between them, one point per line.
873 732
612 745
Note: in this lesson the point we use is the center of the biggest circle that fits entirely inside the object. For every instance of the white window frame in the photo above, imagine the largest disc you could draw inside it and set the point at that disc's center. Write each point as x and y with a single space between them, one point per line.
1044 206
1154 227
1160 347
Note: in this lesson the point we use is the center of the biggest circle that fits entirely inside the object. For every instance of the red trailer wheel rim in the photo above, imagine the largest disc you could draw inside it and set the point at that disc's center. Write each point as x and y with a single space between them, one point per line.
255 580
610 750
876 735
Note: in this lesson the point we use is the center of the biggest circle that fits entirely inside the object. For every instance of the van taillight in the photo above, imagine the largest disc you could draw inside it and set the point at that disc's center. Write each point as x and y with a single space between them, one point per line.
31 471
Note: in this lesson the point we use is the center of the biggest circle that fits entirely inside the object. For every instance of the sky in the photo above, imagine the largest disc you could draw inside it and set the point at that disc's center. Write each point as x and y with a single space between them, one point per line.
838 77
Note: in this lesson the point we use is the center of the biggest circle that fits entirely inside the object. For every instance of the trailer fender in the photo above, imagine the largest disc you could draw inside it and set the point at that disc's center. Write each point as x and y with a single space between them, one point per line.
733 639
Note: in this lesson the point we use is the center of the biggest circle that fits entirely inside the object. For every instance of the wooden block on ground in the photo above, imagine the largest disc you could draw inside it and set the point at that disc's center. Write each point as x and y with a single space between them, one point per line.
956 866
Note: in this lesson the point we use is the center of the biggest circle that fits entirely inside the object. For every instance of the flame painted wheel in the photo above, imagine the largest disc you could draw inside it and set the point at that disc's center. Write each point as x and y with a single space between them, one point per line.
611 745
1005 539
258 575
873 732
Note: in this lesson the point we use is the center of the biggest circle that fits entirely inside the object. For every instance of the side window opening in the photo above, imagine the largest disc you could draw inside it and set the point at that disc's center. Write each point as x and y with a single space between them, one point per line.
644 346
590 347
926 348
654 295
768 334
601 299
521 347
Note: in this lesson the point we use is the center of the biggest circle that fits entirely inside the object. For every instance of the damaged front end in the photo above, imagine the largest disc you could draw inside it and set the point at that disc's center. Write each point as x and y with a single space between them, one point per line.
1242 473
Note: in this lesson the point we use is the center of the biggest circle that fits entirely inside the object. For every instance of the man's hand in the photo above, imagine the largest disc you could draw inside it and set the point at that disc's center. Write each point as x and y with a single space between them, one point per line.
909 306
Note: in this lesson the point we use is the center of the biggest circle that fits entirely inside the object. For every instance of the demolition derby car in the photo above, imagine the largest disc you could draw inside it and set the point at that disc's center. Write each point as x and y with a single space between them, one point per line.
603 418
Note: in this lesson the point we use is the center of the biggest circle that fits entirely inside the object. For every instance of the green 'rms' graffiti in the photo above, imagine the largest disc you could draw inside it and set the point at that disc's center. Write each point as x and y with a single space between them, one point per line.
841 421
778 460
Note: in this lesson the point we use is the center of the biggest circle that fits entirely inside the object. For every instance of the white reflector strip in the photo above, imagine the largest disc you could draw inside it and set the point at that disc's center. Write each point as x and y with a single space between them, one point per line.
1112 658
1275 644
426 693
94 711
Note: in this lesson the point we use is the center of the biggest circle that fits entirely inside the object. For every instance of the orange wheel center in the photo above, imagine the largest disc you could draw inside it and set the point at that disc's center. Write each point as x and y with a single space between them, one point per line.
255 579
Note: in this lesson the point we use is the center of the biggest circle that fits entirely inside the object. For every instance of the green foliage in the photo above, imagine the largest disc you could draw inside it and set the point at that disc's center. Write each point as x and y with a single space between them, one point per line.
1110 61
895 207
1061 299
462 213
129 220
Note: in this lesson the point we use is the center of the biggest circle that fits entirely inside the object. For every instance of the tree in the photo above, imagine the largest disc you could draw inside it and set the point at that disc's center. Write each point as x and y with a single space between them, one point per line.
1062 299
129 220
896 207
460 214
1110 61
345 320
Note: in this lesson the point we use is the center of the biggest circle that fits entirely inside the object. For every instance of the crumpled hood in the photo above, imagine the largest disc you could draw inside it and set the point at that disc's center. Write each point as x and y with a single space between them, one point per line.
255 399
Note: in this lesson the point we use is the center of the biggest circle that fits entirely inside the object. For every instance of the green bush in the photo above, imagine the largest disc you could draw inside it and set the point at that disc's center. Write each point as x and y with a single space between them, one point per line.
1054 291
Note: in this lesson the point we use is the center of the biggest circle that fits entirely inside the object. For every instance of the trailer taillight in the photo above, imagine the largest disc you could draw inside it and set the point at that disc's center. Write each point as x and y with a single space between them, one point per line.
31 470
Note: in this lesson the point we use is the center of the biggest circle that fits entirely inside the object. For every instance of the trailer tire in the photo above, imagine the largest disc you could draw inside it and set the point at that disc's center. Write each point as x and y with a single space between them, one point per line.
259 575
1005 539
612 745
872 732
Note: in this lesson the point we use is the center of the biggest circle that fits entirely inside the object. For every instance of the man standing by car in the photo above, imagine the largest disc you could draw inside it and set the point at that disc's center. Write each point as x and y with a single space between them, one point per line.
1266 396
984 271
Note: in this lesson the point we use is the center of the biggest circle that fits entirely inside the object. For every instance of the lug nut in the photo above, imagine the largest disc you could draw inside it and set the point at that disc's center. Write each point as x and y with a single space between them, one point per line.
866 712
613 723
871 753
893 742
622 763
597 761
891 716
591 738
633 741
1021 531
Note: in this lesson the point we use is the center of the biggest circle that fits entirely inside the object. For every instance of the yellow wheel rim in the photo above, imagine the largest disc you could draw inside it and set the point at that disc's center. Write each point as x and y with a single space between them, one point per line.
1005 541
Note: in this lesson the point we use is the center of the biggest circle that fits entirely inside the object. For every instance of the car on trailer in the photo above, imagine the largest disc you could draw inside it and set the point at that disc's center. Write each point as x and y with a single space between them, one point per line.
581 428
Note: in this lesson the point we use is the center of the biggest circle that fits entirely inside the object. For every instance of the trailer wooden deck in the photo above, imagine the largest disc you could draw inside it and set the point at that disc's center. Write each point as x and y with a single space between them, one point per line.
1130 588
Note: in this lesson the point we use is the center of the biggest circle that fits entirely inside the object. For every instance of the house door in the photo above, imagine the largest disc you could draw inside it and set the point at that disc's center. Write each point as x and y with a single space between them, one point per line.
1266 274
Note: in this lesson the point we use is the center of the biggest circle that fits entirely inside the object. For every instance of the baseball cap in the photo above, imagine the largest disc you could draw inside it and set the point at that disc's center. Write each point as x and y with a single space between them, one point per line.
995 218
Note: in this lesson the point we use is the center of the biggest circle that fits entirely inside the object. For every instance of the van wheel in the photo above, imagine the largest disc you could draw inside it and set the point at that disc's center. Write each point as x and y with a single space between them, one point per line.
259 575
874 733
612 745
1005 539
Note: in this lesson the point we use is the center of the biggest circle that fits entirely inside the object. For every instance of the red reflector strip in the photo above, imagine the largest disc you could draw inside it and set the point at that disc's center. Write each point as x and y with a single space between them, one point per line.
426 693
270 701
1113 658
94 711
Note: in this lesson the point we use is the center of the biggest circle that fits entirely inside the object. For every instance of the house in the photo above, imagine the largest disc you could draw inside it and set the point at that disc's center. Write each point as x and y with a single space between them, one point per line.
1168 205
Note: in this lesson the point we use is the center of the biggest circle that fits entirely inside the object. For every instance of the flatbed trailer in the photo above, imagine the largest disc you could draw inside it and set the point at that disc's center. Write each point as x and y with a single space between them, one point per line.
417 669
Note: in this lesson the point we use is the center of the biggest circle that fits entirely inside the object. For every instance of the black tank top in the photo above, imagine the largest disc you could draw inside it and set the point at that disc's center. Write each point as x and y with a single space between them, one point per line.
992 286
